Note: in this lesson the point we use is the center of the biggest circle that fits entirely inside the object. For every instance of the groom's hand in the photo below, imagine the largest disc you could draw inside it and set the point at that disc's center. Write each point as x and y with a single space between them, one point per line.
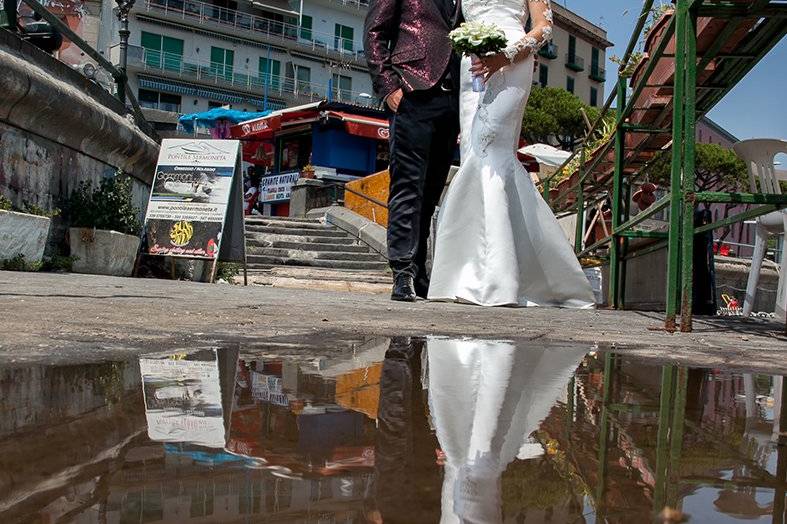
394 99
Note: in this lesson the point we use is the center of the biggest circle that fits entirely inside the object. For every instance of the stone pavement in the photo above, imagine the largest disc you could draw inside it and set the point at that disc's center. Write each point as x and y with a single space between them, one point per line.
51 318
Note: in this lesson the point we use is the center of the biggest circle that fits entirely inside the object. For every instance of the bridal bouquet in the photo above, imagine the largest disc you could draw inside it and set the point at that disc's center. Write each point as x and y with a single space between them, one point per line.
479 39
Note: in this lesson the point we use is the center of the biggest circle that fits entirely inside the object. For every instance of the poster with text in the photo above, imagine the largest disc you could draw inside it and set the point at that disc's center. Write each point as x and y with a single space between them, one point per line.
190 197
183 400
278 188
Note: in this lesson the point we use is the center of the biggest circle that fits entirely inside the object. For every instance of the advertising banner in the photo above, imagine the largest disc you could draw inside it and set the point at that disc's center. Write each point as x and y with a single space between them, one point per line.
194 195
278 188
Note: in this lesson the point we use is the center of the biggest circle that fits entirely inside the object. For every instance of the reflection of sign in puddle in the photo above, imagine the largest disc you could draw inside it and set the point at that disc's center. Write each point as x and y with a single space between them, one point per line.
183 401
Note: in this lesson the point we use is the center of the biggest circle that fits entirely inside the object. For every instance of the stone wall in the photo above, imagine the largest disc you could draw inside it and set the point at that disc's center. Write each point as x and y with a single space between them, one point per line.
57 128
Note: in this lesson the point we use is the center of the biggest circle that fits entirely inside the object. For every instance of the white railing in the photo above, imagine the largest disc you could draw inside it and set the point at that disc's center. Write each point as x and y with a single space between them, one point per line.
220 74
356 4
204 13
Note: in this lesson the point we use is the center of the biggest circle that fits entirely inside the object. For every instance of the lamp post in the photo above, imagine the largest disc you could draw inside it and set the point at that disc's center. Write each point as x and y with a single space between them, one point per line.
124 7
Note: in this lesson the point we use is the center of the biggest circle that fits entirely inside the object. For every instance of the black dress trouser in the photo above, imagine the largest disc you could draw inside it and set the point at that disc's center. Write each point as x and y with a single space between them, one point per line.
423 142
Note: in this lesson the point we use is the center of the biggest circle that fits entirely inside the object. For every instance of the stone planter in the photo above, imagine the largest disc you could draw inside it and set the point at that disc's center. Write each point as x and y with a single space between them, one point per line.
101 252
23 234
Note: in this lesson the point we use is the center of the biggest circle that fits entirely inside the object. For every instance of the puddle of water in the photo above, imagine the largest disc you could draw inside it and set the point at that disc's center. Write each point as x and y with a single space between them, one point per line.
401 430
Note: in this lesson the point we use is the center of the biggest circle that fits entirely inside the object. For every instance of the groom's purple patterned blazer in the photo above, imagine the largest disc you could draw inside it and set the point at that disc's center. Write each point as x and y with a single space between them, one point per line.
406 43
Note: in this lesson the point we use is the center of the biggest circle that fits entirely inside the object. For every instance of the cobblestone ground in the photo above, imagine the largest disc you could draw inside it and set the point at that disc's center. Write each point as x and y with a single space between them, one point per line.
51 318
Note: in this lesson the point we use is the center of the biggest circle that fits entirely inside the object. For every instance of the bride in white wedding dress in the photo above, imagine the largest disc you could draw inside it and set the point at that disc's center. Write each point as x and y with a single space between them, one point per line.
497 242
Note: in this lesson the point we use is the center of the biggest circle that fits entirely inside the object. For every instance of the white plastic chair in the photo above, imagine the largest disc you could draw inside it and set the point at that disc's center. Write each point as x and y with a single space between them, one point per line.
759 155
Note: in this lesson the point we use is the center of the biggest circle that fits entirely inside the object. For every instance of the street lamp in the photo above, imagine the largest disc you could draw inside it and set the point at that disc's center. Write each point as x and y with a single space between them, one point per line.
124 7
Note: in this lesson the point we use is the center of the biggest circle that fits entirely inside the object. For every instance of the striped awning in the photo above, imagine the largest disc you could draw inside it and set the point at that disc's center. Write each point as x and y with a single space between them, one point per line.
178 88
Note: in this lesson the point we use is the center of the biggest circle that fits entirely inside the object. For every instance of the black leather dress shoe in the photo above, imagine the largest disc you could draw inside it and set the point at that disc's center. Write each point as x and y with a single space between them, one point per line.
403 288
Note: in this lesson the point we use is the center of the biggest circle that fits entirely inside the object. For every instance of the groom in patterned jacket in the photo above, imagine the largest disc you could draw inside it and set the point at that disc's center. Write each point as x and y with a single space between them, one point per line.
416 73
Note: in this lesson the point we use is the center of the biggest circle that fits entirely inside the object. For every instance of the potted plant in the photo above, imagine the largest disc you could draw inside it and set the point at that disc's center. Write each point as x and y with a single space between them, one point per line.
105 227
23 234
307 171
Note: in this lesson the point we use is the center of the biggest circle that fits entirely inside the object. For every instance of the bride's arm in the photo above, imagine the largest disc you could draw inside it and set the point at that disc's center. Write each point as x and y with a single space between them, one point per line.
539 35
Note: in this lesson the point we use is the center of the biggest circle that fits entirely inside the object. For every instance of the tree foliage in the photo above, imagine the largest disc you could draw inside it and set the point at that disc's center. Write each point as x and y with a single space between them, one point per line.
554 116
715 169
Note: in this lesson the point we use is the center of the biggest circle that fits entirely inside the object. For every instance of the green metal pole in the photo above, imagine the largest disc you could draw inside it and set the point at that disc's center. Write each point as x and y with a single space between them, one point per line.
617 197
662 442
673 264
690 116
580 232
545 190
625 243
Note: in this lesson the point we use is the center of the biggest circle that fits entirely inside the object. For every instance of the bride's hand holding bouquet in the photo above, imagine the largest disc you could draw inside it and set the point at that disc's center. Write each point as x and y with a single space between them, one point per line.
483 43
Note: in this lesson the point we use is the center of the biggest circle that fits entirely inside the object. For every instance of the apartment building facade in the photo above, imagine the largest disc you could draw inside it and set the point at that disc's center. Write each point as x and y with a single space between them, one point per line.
187 56
575 58
191 55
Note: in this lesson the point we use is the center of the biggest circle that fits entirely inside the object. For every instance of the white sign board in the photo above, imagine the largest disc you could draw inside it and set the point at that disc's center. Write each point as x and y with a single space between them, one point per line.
195 189
278 188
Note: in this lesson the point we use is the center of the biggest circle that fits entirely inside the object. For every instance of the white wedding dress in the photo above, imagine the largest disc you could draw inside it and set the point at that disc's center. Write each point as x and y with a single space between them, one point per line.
498 243
485 399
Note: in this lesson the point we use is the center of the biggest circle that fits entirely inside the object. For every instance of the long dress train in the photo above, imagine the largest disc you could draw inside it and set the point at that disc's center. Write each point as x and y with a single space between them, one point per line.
498 243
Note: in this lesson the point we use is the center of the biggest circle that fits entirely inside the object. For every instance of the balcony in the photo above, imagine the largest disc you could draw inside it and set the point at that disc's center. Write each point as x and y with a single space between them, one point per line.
289 90
549 51
599 74
259 28
575 62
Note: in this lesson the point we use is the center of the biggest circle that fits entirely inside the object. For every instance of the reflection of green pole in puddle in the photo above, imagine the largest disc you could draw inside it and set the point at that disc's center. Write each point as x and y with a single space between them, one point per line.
779 509
667 380
676 436
603 438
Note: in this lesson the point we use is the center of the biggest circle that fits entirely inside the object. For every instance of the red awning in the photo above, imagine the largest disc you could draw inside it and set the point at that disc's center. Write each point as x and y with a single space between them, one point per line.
259 129
367 127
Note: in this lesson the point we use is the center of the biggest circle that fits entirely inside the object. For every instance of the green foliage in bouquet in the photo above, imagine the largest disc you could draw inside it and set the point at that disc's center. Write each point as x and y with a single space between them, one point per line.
478 38
109 206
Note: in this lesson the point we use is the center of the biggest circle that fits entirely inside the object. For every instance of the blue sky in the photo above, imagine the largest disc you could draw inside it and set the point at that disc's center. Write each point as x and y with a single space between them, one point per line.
753 109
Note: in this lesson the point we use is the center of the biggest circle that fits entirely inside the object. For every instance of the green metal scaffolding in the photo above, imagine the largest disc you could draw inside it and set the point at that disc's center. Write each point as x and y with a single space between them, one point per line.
763 23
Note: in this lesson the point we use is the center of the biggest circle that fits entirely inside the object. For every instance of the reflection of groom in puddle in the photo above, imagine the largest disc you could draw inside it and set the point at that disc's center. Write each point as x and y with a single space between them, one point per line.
407 480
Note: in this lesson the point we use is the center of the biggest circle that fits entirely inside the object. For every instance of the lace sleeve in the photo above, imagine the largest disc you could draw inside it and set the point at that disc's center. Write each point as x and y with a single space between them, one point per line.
541 16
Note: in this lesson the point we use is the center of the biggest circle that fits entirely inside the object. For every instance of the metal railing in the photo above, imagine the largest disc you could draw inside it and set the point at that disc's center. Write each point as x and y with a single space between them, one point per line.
694 91
575 62
204 13
356 4
225 75
599 74
549 51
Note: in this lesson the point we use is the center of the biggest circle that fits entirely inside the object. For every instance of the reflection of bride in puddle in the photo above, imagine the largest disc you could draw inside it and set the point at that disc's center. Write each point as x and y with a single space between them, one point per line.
485 399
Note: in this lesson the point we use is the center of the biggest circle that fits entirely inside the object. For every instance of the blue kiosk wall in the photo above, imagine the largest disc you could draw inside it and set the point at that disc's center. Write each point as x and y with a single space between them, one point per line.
332 147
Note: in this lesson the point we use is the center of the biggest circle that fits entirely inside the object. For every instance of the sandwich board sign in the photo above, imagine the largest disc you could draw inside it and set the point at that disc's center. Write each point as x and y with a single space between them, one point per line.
195 208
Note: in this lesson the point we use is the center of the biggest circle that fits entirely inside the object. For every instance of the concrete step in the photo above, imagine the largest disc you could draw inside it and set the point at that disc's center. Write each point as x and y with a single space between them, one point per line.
303 254
307 246
265 261
266 239
259 218
322 231
349 286
289 224
315 273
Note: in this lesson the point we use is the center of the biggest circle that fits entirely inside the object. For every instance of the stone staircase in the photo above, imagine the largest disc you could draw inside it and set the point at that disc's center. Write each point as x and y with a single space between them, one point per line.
308 253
